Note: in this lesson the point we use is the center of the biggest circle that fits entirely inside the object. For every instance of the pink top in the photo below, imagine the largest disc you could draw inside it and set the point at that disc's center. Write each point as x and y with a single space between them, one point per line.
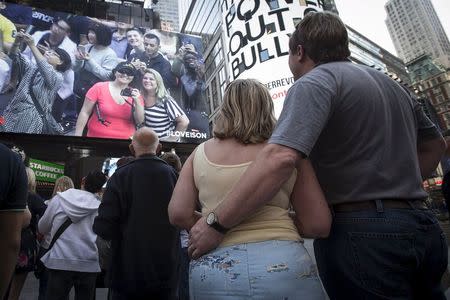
119 116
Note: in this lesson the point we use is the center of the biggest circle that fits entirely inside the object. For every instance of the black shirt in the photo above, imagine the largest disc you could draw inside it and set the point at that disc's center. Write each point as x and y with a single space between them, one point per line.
13 181
133 215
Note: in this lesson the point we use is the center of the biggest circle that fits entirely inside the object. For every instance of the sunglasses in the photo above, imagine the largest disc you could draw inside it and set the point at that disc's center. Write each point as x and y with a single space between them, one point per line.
126 72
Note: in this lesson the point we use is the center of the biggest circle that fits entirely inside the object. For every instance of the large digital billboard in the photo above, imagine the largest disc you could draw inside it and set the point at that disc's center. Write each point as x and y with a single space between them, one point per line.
257 37
64 74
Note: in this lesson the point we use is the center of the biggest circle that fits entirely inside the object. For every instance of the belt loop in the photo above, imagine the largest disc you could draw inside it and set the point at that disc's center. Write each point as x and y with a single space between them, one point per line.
379 205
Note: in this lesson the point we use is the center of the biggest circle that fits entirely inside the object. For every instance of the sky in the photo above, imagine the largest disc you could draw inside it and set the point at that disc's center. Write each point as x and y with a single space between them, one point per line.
367 17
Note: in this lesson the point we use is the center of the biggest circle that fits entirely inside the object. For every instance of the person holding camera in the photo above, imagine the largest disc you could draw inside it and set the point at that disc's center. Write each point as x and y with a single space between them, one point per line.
30 108
108 108
159 110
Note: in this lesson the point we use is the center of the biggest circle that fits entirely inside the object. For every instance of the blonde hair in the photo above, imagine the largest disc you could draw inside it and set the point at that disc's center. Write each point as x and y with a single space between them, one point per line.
161 92
246 113
62 184
31 180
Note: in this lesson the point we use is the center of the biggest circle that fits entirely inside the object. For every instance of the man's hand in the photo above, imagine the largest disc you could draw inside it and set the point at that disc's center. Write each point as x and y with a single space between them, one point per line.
27 38
44 48
202 239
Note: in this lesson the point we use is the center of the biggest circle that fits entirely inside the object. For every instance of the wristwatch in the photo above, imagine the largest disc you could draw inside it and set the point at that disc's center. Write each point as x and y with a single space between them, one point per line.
213 221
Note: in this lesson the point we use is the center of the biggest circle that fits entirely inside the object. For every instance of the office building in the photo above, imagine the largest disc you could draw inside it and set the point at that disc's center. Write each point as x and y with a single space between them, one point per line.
366 52
415 30
432 82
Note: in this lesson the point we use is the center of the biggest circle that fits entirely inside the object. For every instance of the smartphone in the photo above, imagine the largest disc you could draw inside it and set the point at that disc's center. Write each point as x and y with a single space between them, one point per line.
126 92
29 29
82 49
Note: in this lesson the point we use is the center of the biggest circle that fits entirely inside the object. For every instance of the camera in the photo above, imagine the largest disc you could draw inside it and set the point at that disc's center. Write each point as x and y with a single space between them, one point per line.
126 92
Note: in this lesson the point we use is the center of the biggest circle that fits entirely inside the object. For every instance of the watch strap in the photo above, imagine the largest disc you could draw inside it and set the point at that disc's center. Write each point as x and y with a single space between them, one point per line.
219 227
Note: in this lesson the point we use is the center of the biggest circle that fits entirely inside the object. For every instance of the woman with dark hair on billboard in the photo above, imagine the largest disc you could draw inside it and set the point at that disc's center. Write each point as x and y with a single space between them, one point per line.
266 249
160 111
30 108
95 60
108 109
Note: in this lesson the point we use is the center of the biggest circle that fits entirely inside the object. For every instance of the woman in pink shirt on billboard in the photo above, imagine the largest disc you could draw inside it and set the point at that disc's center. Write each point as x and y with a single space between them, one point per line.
108 109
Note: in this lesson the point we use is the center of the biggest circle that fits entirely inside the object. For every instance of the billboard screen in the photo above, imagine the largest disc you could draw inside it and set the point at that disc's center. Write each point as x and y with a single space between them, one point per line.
74 75
256 35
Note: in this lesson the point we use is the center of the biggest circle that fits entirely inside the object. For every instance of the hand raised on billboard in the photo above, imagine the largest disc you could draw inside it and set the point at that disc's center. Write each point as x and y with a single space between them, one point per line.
27 38
43 48
140 65
202 239
81 55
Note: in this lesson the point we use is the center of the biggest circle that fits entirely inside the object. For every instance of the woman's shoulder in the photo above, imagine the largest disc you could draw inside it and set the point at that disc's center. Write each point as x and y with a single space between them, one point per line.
98 88
218 151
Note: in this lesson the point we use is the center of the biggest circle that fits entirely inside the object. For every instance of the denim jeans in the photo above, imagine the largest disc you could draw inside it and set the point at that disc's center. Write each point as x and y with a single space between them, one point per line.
183 283
392 254
60 282
263 270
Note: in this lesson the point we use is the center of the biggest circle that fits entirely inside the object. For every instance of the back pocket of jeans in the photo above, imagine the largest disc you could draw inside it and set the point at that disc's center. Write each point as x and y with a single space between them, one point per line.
384 262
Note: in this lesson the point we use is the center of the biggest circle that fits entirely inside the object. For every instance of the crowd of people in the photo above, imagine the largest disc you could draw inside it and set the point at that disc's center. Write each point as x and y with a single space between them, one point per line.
54 78
247 197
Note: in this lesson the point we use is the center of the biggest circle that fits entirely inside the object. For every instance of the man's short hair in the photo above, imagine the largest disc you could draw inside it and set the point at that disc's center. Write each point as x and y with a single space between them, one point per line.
135 29
152 36
323 37
94 181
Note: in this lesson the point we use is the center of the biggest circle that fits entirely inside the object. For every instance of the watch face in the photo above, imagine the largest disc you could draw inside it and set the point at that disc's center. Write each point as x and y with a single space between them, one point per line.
210 218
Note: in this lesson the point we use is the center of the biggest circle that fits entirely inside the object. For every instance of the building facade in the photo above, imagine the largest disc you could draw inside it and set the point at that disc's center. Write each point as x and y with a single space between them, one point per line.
432 82
415 30
366 52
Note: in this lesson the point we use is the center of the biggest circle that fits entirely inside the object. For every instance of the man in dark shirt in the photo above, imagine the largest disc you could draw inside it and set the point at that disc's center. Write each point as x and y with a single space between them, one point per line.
133 216
371 146
13 197
151 58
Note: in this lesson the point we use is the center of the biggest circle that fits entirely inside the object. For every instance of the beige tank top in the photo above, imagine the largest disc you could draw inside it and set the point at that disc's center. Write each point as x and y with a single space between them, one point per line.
271 222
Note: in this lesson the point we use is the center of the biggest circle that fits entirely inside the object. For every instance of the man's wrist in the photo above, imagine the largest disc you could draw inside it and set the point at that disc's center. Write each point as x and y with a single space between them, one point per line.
213 221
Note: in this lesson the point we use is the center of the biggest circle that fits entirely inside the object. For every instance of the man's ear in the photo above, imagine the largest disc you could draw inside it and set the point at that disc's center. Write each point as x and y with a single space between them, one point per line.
300 52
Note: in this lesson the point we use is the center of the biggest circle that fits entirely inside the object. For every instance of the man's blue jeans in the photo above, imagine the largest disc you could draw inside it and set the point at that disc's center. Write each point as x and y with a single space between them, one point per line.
393 254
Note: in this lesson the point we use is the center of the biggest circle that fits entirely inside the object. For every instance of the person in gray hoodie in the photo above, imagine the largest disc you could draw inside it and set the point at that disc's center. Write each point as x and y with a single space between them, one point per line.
73 259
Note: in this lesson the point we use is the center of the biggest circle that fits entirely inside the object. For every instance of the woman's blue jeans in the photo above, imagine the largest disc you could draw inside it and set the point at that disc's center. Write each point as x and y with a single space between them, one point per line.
391 254
263 270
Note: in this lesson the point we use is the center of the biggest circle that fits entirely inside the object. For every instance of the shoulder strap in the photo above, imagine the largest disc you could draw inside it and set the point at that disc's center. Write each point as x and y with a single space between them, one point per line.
84 62
33 97
58 233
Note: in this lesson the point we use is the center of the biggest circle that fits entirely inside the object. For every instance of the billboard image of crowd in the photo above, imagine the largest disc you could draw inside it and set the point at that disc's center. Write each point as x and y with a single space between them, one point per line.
64 74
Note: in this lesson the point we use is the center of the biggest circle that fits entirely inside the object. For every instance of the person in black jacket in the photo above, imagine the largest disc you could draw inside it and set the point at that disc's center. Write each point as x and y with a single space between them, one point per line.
133 216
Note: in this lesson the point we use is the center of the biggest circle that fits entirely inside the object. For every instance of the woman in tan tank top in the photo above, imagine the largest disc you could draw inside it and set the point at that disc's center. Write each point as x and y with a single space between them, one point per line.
263 257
